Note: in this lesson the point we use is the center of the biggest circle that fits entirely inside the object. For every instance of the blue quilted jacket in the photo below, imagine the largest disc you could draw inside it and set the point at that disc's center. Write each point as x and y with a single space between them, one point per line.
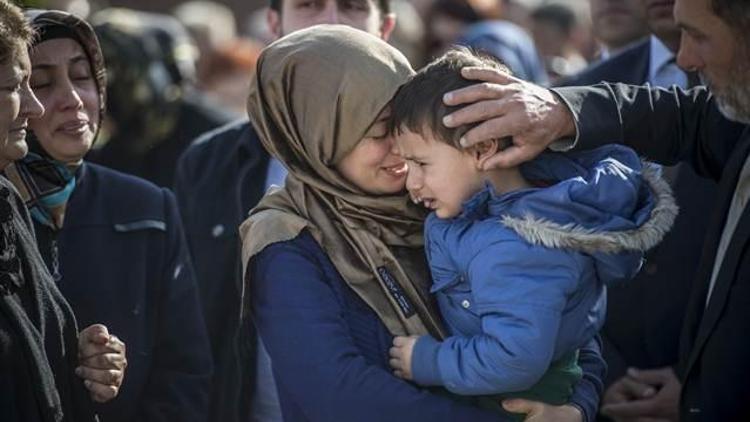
521 277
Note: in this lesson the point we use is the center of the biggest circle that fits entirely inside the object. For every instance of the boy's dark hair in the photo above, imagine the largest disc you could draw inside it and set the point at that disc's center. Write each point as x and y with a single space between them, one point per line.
418 104
15 32
383 5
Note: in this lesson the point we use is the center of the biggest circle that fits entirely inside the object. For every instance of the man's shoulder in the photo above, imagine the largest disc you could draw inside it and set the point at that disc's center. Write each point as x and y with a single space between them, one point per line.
629 66
217 140
216 147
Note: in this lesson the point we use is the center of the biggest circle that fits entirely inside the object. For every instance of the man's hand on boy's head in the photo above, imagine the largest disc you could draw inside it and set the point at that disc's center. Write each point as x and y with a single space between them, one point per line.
400 353
505 106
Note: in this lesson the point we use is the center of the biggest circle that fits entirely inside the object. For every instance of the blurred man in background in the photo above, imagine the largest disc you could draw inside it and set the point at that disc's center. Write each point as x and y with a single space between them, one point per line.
617 23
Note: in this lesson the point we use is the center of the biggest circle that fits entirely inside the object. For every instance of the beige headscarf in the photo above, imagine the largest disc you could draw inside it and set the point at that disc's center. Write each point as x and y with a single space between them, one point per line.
315 95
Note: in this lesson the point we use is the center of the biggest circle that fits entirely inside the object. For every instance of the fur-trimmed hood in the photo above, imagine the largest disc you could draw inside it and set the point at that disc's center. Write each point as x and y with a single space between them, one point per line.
605 202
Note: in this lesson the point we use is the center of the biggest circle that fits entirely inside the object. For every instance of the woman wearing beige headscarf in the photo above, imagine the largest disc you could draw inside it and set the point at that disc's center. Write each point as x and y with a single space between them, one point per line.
333 261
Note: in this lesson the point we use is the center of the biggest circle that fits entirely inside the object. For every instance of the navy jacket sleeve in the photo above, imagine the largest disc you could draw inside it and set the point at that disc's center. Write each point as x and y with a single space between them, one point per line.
588 389
665 125
178 385
315 360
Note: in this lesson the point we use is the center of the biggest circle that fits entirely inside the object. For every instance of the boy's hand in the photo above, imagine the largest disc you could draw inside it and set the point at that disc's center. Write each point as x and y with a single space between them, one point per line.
542 412
401 356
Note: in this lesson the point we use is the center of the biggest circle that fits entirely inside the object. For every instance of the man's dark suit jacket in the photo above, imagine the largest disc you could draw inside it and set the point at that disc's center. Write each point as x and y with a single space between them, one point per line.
669 126
220 177
645 315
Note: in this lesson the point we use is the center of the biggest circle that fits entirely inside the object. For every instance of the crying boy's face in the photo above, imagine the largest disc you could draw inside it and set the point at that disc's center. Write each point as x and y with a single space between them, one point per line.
440 176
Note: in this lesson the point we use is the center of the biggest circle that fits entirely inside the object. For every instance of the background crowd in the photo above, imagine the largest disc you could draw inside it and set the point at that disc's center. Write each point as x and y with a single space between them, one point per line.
152 250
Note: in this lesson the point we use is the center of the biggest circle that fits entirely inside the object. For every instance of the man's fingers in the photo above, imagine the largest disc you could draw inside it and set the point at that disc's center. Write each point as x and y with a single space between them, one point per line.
511 157
100 392
479 92
101 376
655 377
497 128
477 112
635 390
630 409
394 352
105 361
395 363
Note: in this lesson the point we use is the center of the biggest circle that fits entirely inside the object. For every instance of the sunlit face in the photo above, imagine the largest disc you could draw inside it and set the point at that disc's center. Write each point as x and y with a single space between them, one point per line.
373 166
63 81
710 47
359 14
17 105
617 22
441 177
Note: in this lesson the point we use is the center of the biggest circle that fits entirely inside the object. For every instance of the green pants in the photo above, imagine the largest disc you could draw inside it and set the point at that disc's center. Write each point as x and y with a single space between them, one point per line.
555 387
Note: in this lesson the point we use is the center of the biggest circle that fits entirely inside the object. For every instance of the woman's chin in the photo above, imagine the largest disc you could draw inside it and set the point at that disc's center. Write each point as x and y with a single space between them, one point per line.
14 149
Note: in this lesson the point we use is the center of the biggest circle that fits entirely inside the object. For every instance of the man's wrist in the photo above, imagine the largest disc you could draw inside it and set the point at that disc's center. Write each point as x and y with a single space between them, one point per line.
568 130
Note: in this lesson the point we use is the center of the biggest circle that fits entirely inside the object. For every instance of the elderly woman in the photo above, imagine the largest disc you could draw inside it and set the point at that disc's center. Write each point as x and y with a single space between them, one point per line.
334 261
40 352
112 242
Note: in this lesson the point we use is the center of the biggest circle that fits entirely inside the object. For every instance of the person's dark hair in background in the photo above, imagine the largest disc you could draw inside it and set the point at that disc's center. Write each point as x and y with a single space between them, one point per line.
383 5
154 109
552 28
447 19
510 44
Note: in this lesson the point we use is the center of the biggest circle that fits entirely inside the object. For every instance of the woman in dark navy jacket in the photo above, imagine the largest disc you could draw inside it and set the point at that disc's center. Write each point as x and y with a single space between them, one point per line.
113 242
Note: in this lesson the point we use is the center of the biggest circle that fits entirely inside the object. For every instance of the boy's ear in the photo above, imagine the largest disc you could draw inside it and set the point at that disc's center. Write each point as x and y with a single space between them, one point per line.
482 151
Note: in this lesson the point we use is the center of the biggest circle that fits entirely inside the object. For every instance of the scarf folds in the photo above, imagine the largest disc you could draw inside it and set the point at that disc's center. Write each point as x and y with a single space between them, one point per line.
45 185
316 93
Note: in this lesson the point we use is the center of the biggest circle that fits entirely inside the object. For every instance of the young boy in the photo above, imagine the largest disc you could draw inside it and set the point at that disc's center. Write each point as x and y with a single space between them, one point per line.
519 256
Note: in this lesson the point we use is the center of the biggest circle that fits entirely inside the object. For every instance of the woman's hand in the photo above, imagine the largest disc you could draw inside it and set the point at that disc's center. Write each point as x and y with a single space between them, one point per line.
540 412
401 356
102 362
